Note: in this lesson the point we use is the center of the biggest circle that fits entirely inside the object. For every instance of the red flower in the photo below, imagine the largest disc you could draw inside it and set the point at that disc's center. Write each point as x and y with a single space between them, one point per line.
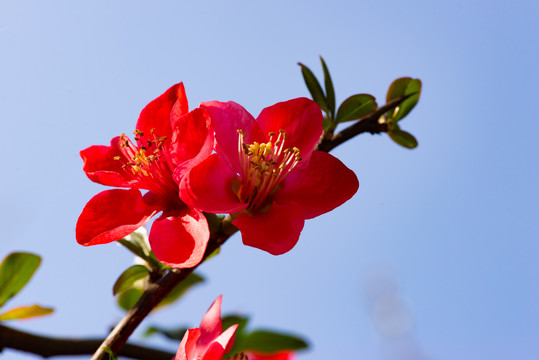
266 173
208 342
168 138
280 355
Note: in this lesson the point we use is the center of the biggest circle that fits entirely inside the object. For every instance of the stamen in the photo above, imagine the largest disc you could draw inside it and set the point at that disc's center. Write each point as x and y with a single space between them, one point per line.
263 167
147 163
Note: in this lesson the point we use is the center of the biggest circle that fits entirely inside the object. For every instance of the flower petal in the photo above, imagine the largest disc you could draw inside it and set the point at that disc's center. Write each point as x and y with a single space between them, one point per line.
100 166
192 139
162 113
179 238
187 348
208 187
279 355
319 187
300 118
275 231
221 345
228 118
211 326
111 215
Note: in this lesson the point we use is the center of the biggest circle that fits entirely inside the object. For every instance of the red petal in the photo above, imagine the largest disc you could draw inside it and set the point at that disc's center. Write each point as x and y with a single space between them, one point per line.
319 187
162 113
192 139
208 187
228 118
179 238
300 118
281 355
187 348
276 231
211 326
221 345
100 166
111 215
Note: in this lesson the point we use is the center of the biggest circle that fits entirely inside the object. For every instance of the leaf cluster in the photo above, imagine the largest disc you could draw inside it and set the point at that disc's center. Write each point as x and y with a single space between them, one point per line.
16 271
361 106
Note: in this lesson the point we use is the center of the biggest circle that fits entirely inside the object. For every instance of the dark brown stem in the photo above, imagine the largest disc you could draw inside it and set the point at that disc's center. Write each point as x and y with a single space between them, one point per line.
368 124
46 346
154 293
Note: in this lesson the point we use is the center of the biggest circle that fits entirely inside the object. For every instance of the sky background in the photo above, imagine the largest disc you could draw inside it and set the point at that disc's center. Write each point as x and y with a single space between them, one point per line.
435 257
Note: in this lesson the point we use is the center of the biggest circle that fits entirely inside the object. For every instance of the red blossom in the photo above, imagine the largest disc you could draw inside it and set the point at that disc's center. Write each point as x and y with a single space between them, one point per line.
266 173
167 138
280 355
208 342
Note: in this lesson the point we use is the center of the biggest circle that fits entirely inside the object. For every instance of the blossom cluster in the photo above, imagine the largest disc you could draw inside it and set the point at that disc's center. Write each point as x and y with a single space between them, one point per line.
217 158
264 173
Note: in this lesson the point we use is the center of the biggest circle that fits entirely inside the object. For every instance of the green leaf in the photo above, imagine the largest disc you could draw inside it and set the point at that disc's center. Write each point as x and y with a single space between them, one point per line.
230 320
327 124
128 298
330 91
180 289
15 272
129 277
269 342
314 87
403 138
356 107
172 334
25 312
403 87
137 245
240 334
110 353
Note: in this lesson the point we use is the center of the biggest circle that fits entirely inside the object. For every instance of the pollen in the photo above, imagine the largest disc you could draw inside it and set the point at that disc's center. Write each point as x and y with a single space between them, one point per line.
146 161
264 166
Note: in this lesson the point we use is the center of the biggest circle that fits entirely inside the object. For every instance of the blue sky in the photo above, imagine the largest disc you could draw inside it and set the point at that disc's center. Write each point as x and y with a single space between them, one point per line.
434 258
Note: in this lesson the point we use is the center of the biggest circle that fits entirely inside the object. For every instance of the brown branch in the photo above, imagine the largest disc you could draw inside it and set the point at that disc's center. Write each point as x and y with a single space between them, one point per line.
152 296
368 124
57 346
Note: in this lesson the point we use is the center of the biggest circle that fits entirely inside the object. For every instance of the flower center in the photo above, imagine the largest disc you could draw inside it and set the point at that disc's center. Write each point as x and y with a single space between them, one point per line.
147 162
263 167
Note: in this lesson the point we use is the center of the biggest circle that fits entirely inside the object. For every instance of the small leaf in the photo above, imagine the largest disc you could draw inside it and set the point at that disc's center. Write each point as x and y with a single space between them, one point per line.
327 124
240 334
136 243
403 138
110 353
25 312
129 277
314 87
128 298
15 272
330 91
356 107
180 289
403 87
269 342
172 334
230 320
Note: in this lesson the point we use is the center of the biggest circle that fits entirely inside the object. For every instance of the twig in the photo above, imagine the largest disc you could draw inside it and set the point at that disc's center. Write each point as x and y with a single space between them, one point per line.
46 346
368 124
152 296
